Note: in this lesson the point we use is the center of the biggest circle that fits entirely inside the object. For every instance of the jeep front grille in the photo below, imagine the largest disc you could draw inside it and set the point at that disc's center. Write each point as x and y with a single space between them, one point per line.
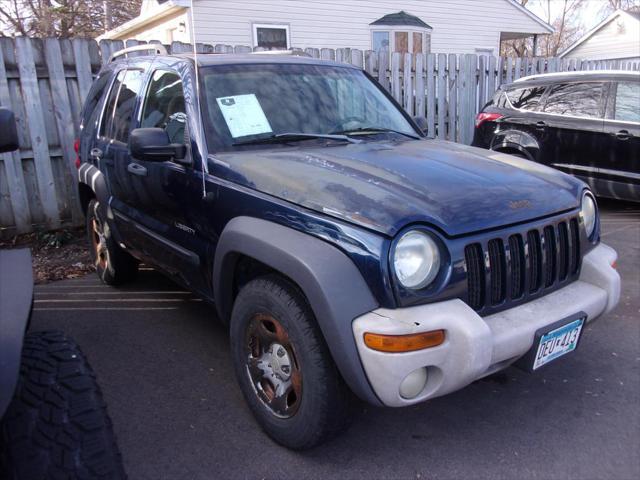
521 265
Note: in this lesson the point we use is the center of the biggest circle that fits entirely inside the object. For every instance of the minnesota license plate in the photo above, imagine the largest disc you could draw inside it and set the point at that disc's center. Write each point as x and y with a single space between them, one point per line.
558 342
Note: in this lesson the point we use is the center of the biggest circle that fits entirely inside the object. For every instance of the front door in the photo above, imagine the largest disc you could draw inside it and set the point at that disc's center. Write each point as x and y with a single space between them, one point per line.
167 192
572 122
619 168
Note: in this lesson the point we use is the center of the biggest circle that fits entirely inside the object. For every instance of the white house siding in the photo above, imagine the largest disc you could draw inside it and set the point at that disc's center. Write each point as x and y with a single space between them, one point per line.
619 39
459 26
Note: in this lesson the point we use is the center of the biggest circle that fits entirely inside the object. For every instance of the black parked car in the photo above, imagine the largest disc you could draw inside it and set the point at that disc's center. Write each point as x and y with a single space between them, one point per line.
583 123
346 252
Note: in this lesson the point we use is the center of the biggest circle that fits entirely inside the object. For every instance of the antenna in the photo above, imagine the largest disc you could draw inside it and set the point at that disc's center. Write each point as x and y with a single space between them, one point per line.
203 160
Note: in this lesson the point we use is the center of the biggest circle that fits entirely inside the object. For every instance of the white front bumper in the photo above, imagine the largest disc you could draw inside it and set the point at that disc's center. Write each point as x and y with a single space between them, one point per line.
475 346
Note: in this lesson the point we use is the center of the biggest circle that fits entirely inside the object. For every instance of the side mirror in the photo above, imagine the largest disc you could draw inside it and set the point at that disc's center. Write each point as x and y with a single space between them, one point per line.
152 145
8 132
422 123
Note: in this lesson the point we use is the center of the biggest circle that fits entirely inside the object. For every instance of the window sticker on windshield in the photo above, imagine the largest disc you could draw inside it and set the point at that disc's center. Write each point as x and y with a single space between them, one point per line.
244 115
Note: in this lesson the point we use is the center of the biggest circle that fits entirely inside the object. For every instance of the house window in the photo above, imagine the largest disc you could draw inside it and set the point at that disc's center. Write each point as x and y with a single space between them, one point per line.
402 41
380 41
271 37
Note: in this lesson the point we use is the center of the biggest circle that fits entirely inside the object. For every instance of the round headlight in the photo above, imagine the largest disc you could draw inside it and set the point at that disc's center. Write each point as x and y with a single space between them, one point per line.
416 260
588 213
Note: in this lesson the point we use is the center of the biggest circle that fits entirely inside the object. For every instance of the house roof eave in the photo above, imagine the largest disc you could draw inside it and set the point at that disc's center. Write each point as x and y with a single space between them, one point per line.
593 31
533 16
164 9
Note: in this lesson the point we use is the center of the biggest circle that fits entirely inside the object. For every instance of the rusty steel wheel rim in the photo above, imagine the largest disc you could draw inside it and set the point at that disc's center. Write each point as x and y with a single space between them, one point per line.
272 366
99 244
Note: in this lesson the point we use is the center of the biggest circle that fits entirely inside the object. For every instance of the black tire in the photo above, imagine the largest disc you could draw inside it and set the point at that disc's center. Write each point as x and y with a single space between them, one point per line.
113 265
323 406
57 424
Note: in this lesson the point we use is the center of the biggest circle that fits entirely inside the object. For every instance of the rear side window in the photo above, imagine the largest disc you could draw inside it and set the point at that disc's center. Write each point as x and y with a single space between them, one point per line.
525 98
575 99
97 91
120 105
164 105
627 108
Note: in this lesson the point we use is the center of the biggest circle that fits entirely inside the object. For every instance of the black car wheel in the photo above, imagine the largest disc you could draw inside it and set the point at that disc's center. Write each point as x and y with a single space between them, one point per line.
113 265
283 365
57 424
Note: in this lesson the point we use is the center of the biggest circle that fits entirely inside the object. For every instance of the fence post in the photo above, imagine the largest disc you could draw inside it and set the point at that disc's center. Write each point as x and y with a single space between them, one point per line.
431 95
63 118
37 131
407 87
13 164
453 97
442 96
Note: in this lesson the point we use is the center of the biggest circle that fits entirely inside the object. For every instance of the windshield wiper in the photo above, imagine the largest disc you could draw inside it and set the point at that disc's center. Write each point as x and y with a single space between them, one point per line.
374 130
295 137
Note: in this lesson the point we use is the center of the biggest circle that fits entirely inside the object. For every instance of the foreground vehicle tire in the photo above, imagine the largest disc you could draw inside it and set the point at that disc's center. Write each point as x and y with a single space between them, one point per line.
57 424
113 265
284 367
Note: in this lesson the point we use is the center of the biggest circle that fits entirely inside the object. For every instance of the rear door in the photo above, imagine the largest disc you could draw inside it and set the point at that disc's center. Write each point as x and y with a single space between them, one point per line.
572 119
619 168
113 137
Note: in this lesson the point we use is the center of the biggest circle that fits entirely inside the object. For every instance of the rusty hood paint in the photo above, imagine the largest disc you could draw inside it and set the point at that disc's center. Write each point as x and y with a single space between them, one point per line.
384 186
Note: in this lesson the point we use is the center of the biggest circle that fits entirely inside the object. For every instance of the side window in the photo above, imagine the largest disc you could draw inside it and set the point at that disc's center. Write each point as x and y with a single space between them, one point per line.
107 115
97 91
526 98
164 105
125 104
628 102
575 99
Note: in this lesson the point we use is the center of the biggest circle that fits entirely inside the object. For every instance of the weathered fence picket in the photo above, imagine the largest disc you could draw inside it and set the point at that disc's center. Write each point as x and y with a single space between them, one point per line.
46 81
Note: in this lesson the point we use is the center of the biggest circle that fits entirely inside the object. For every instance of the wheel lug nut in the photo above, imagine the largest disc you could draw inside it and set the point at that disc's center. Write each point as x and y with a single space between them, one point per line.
285 368
281 352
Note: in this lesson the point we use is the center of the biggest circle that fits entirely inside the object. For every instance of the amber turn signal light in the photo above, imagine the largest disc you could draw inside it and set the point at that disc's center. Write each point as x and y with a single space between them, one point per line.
403 343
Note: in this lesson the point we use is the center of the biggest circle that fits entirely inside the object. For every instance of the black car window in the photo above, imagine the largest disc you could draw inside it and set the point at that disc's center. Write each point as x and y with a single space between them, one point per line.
164 105
107 115
96 92
125 104
628 102
526 98
575 99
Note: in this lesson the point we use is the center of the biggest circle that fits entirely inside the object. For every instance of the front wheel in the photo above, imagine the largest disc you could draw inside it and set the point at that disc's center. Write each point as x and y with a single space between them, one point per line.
284 367
113 265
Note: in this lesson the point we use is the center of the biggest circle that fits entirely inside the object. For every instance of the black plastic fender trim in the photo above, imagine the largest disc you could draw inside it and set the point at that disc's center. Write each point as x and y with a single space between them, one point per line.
16 299
332 283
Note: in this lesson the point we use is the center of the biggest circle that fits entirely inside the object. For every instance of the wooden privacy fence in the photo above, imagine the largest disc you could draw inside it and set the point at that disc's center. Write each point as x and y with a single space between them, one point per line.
44 81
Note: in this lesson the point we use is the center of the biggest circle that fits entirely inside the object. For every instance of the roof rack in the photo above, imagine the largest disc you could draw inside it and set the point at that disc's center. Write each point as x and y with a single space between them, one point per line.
158 49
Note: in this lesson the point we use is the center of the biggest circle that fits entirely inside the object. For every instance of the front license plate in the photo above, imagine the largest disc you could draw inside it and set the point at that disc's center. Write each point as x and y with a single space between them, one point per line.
558 342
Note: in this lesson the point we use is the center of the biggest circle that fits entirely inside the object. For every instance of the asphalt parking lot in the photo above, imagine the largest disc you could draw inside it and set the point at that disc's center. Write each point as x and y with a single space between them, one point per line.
164 366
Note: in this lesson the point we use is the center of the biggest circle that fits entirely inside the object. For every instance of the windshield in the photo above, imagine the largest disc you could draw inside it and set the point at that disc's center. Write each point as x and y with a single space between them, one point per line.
243 103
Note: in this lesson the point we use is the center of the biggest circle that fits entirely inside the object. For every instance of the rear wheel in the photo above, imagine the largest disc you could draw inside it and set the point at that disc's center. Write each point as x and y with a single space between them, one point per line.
113 265
57 424
283 366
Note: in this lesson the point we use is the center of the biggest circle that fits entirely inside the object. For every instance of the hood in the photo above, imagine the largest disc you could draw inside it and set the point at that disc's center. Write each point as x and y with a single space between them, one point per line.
386 185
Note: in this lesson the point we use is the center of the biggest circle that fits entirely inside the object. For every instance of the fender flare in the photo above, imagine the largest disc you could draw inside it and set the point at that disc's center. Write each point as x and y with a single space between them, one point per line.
517 140
331 282
16 300
91 176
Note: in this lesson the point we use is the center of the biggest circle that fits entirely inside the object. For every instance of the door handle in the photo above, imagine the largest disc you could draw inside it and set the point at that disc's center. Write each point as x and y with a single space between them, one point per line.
623 135
541 125
95 153
137 169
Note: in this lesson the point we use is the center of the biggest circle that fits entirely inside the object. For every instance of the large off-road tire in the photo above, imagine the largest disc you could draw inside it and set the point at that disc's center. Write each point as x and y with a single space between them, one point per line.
57 424
284 367
113 265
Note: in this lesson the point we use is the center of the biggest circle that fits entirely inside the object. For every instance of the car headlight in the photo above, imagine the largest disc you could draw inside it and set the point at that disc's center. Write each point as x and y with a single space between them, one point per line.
416 260
588 212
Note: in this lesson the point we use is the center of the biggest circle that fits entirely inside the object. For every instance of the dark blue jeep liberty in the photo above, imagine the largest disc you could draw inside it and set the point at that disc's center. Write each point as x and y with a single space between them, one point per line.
347 253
